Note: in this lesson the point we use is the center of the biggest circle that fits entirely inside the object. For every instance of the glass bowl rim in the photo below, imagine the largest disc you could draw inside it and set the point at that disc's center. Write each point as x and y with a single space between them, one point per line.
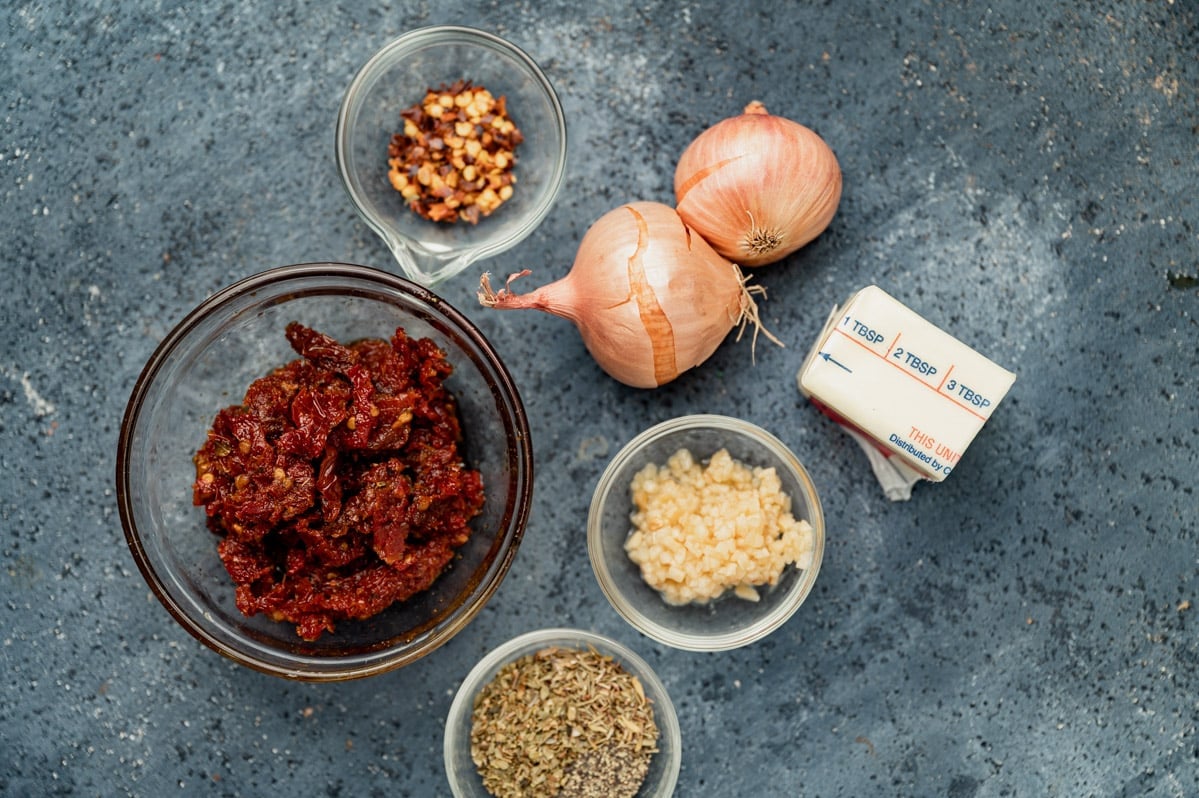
664 634
437 34
325 667
485 668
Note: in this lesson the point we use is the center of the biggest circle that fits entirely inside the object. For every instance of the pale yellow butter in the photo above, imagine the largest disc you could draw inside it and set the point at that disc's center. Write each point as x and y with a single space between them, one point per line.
915 390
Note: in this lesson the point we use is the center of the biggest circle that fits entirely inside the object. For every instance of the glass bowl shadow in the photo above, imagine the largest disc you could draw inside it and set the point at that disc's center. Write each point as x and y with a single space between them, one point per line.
207 361
464 778
727 622
397 77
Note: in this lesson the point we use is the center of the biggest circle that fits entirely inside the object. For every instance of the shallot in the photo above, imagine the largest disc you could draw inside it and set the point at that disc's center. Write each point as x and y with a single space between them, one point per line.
650 298
757 186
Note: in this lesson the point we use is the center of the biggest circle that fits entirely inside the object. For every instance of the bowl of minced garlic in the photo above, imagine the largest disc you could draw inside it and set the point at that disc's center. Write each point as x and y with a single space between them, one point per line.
705 533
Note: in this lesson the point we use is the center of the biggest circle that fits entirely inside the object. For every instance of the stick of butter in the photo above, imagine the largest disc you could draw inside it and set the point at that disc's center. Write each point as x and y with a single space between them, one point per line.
901 384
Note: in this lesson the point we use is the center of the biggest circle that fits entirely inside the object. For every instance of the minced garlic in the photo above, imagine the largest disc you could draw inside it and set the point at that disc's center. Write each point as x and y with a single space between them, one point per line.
700 531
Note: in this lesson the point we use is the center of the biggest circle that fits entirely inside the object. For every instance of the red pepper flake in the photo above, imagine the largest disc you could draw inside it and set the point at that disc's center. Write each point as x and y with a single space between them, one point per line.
454 158
337 486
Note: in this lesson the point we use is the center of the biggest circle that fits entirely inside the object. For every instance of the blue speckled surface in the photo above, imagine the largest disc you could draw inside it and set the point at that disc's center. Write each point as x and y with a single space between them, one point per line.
1022 174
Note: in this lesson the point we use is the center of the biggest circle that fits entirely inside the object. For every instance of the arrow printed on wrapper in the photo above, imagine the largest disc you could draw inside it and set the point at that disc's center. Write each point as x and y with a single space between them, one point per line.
834 361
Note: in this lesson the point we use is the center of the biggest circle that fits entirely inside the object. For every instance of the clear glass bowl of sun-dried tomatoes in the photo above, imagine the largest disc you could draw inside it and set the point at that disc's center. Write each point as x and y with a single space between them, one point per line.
324 471
451 143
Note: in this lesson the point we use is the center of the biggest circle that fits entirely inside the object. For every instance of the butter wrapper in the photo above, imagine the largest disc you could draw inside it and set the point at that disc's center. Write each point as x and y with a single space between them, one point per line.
910 393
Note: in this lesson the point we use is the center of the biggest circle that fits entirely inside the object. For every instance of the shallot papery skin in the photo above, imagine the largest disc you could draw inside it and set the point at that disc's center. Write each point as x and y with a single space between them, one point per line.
757 187
649 298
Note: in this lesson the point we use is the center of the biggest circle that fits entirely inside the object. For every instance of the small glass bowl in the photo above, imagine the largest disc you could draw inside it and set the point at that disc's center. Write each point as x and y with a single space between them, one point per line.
207 362
465 781
727 622
398 76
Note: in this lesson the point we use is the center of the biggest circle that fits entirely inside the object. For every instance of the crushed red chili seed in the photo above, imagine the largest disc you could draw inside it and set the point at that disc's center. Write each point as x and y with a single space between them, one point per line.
455 157
337 486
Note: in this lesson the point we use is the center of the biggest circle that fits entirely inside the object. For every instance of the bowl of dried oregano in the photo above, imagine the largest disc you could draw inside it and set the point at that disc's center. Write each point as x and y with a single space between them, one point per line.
562 712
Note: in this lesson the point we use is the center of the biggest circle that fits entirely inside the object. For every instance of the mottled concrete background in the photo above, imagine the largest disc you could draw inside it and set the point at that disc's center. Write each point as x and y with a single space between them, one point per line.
1022 174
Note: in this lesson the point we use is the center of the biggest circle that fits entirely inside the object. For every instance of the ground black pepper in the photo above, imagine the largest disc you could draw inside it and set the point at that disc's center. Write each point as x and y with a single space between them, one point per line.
605 772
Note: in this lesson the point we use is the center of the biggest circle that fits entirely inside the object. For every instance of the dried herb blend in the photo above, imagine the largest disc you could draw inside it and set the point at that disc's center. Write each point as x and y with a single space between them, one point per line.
563 722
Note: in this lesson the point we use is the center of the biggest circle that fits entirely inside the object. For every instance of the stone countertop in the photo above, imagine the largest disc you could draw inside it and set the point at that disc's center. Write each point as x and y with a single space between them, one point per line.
1022 174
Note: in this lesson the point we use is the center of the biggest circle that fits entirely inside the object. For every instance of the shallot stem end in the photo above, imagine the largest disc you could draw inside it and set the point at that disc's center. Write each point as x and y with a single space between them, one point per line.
488 297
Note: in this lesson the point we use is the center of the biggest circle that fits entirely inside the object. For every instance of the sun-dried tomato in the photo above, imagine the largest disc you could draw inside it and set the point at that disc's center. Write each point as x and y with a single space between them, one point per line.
337 485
